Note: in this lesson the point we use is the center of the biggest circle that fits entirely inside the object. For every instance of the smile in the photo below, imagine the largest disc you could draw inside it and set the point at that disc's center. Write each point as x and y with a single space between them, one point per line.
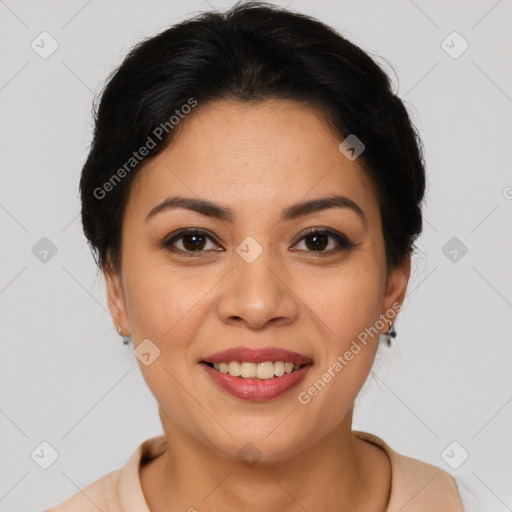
261 371
256 374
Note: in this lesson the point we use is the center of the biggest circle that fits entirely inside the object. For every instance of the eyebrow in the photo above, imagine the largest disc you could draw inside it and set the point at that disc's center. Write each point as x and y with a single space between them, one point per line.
222 213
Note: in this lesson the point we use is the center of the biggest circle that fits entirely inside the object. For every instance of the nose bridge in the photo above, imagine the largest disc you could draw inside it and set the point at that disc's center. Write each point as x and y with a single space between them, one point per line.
255 294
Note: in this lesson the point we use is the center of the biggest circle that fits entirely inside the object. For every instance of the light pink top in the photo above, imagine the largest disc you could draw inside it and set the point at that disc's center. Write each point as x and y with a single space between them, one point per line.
415 485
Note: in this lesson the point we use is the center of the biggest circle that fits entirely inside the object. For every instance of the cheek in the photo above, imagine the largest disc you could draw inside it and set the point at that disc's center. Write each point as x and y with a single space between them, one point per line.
168 310
348 301
164 303
349 307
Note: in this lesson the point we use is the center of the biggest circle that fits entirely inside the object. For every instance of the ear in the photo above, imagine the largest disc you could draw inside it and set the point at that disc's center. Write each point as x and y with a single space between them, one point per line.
396 286
116 301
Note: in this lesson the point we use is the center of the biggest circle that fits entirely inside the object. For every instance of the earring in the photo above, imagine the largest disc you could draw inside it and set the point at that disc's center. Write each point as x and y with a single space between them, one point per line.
126 339
391 333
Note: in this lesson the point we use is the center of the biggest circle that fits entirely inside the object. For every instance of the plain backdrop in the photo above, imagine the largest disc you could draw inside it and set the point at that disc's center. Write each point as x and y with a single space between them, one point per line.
66 378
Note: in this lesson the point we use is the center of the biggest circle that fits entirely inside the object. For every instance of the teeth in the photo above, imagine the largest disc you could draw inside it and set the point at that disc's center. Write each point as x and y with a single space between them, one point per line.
279 368
248 370
234 368
266 370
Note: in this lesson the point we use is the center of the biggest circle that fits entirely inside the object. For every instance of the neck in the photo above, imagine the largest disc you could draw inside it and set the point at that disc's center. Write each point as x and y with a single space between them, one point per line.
341 473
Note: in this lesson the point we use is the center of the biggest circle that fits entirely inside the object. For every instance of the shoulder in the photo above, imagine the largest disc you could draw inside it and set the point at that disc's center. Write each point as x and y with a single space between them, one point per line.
99 495
416 485
118 490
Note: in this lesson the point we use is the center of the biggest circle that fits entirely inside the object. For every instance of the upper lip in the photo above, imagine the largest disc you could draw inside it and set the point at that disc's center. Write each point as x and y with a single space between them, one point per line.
257 355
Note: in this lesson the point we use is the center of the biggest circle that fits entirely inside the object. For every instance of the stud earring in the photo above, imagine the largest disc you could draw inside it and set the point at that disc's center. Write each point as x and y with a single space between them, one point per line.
126 339
391 333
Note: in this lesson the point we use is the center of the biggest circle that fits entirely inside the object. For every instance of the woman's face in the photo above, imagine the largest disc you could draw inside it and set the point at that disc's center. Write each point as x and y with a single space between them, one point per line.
256 278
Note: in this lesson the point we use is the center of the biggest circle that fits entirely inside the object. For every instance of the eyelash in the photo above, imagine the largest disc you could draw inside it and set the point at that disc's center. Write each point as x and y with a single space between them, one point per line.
343 242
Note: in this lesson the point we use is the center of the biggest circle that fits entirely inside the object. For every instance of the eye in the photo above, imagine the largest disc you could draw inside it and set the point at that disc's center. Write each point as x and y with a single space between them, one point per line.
323 241
190 240
194 241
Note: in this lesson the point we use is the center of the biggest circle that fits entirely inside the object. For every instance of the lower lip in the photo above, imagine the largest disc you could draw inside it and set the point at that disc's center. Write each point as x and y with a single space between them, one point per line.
257 390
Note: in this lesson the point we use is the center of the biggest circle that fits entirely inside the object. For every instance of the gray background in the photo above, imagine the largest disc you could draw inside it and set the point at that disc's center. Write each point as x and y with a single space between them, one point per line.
65 376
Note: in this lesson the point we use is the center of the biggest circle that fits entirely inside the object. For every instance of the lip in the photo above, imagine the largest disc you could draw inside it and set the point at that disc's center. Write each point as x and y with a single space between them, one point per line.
256 390
257 355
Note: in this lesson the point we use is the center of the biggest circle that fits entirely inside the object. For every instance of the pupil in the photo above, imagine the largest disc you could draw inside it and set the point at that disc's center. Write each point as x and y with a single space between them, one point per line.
197 242
319 242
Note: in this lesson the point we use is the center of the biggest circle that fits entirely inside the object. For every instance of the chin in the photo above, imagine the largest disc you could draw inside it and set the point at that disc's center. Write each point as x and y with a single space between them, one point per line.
267 440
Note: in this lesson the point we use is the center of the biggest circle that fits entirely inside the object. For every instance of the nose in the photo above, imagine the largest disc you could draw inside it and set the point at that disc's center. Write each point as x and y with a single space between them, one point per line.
257 294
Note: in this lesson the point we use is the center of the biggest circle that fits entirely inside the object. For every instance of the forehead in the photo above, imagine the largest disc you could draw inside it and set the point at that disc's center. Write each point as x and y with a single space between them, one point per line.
254 157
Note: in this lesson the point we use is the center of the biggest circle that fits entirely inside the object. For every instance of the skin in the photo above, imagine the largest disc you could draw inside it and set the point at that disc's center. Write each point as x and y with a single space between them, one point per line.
256 160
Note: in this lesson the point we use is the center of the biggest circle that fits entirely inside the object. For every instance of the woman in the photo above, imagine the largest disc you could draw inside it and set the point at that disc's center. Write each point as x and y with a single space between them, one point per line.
252 195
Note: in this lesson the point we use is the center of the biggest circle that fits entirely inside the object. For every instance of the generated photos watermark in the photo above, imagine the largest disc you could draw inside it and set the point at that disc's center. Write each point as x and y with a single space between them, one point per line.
304 397
159 134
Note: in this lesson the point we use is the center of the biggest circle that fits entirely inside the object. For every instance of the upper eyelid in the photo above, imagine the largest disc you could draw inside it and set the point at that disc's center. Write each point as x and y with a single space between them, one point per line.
324 230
